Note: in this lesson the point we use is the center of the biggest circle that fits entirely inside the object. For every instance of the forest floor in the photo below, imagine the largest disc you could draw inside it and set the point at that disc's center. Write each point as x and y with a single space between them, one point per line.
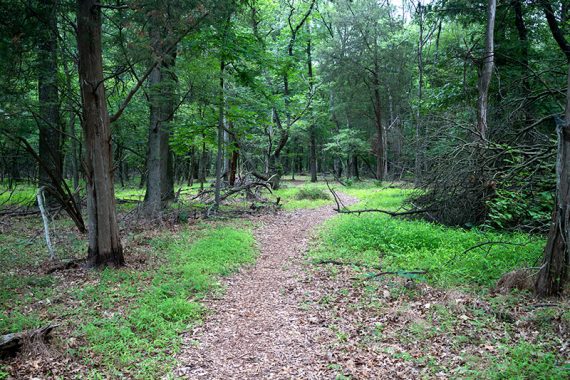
259 328
296 293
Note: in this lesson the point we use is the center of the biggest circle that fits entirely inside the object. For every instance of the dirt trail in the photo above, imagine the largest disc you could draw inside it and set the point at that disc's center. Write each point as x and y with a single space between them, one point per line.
259 328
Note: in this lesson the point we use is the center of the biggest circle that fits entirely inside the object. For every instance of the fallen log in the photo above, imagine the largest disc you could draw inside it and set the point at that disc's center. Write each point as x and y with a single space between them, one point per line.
348 263
64 265
11 344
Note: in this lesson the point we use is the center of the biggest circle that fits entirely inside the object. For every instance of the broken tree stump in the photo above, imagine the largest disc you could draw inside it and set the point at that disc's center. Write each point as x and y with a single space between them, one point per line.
11 344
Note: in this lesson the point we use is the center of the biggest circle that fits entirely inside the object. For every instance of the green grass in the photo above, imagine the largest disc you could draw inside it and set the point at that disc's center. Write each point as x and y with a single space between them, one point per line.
25 194
400 244
21 195
127 322
521 361
139 341
305 196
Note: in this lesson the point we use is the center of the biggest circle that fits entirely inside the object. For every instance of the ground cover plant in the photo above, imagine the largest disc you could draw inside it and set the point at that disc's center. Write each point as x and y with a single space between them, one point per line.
445 321
127 322
303 196
147 146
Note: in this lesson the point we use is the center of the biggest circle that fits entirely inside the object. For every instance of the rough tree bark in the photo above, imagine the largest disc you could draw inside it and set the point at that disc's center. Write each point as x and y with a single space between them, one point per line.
104 243
50 133
312 127
553 274
220 147
486 71
160 184
380 135
419 144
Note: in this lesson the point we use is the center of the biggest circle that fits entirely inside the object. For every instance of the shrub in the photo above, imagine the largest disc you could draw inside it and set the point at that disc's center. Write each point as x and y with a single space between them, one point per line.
312 194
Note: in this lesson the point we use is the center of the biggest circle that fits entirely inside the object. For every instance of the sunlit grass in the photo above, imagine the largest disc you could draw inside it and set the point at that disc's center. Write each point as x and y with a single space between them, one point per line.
410 245
290 199
128 321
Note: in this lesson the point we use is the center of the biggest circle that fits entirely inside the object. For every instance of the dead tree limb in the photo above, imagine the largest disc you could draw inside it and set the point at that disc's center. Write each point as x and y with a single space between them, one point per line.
11 344
348 263
342 209
41 205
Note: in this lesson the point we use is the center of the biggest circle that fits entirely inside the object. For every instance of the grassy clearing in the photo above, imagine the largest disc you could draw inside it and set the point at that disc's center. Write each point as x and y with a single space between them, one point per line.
140 340
445 323
399 244
127 323
25 194
20 195
304 196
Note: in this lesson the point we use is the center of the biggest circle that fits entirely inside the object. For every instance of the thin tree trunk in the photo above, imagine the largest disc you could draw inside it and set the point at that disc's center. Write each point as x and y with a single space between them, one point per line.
50 134
220 152
380 135
203 164
191 165
524 59
160 184
486 72
553 274
104 242
312 127
419 142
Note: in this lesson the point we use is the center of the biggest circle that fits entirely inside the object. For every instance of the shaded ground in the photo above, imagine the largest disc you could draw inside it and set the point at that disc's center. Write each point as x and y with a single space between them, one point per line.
284 319
260 329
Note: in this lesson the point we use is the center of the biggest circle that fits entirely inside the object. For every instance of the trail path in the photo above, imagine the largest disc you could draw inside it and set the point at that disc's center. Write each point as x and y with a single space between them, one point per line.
259 328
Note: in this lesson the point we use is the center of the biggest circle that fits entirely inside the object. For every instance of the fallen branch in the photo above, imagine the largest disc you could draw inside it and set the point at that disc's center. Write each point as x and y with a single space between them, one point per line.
342 209
11 344
399 273
391 213
65 265
245 187
349 263
41 202
479 245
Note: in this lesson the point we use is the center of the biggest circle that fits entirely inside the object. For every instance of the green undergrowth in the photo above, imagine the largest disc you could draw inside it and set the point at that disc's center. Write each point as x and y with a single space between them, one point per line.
413 245
303 197
523 360
139 339
125 323
20 195
496 337
24 194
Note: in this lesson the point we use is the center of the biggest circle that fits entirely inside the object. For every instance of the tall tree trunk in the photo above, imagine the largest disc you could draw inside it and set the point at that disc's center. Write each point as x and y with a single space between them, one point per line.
191 174
486 71
553 274
160 184
313 154
203 163
554 270
419 142
354 163
104 242
380 135
524 58
50 128
234 159
220 152
312 127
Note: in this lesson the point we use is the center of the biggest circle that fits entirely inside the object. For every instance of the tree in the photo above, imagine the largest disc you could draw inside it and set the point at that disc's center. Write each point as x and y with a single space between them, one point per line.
50 128
553 273
105 246
162 98
486 71
312 127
